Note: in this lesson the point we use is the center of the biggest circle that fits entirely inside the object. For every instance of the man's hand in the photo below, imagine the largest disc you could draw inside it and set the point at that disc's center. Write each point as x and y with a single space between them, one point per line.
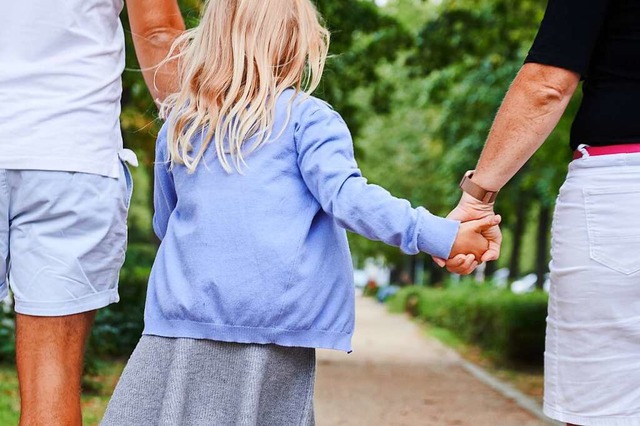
471 209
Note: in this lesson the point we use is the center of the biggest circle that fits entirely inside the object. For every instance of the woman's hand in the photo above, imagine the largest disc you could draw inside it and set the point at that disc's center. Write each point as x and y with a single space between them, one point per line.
471 237
471 209
530 111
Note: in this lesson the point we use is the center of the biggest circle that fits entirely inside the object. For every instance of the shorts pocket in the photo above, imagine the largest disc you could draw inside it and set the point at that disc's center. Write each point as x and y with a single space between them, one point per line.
613 227
128 181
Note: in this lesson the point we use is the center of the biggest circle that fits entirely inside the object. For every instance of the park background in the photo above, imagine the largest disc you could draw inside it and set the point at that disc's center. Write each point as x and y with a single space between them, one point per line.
418 82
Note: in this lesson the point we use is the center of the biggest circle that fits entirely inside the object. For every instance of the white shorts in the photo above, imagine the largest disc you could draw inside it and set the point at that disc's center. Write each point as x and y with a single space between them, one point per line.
63 238
592 357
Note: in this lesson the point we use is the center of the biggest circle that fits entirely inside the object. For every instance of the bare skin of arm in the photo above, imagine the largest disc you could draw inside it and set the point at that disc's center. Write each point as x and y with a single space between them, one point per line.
530 111
155 24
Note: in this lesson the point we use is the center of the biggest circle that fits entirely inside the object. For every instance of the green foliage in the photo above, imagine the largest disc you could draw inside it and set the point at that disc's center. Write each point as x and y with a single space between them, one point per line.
7 334
362 39
370 290
510 326
9 396
443 91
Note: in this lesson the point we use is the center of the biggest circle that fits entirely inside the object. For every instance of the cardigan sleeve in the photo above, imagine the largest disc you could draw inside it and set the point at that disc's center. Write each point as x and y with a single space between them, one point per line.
328 167
164 192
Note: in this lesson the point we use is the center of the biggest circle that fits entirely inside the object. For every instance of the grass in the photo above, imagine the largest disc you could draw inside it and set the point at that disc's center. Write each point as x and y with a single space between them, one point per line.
97 391
9 401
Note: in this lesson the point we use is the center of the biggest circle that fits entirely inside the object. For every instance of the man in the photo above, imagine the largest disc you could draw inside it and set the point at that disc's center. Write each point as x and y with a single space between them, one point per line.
64 187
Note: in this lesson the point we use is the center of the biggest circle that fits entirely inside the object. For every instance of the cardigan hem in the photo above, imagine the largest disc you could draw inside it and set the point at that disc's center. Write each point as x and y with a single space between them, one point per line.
319 339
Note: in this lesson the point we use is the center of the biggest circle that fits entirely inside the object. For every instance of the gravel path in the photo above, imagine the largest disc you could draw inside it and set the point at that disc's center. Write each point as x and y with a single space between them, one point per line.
398 376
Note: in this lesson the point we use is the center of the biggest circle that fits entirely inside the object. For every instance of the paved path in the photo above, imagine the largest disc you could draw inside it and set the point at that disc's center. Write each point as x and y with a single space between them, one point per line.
397 376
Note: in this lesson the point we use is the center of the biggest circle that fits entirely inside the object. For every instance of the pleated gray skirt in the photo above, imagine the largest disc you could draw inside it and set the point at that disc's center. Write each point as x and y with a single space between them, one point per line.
184 382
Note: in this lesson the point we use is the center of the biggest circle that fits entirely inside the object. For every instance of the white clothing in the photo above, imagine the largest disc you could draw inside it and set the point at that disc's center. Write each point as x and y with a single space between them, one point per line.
63 237
60 85
592 356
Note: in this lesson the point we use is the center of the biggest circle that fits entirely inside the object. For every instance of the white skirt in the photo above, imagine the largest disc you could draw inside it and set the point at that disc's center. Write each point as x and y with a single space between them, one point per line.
592 357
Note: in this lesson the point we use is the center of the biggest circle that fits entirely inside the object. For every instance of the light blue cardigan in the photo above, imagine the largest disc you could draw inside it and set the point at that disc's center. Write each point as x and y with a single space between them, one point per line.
262 257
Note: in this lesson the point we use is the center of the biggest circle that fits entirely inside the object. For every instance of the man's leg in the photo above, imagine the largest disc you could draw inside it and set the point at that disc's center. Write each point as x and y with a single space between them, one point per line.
67 239
49 356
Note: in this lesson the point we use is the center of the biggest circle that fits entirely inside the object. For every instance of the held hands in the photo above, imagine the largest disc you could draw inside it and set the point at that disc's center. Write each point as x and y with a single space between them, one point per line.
465 258
471 244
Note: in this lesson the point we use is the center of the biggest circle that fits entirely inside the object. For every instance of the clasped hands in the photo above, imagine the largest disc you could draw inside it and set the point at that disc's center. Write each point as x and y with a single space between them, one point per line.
478 239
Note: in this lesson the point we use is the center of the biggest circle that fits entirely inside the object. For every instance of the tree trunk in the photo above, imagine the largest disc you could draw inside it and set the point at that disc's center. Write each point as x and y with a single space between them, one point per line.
419 276
518 235
490 269
411 268
435 274
542 255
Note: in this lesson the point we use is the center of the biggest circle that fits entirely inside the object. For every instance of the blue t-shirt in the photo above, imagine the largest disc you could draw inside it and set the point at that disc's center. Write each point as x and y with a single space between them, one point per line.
262 256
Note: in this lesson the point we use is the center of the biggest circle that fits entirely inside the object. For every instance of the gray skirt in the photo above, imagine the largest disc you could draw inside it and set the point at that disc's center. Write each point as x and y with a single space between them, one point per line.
184 382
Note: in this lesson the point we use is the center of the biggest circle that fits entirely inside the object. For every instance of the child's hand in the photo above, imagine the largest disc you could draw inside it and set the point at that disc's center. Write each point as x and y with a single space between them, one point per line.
470 239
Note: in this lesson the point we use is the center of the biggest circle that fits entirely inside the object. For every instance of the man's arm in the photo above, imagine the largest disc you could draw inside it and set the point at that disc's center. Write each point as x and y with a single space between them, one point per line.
530 111
155 24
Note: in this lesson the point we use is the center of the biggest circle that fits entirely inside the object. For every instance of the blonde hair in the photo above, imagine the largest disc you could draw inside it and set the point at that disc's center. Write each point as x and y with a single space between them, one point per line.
232 69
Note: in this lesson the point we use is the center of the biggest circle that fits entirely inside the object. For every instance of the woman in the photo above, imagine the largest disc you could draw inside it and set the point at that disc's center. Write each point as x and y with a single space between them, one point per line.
592 358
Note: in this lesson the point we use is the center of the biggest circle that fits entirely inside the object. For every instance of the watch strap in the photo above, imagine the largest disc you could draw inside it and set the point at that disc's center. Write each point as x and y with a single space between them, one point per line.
475 190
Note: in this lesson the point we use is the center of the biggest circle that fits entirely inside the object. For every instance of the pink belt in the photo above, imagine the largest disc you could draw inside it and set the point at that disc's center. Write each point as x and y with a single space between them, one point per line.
605 150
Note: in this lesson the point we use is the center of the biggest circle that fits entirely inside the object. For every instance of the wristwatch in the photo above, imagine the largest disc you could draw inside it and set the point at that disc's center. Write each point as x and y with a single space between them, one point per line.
475 190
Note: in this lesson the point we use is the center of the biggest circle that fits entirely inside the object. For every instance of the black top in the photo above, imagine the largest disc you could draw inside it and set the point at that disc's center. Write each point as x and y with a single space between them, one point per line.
600 40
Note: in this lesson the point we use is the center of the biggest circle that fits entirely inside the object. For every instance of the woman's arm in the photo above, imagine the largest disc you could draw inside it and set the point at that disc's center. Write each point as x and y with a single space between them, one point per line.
155 24
560 54
530 111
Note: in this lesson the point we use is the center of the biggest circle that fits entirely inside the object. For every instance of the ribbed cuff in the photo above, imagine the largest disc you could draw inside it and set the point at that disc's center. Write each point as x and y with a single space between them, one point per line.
436 234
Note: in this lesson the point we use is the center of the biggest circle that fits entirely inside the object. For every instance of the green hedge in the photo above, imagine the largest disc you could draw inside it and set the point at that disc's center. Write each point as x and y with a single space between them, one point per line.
7 334
507 325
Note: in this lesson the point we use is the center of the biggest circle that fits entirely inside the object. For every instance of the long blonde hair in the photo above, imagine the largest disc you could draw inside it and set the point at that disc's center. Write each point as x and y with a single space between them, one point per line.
232 69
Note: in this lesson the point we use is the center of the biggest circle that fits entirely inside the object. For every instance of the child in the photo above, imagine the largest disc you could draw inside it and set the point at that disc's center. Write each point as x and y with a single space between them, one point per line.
255 183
